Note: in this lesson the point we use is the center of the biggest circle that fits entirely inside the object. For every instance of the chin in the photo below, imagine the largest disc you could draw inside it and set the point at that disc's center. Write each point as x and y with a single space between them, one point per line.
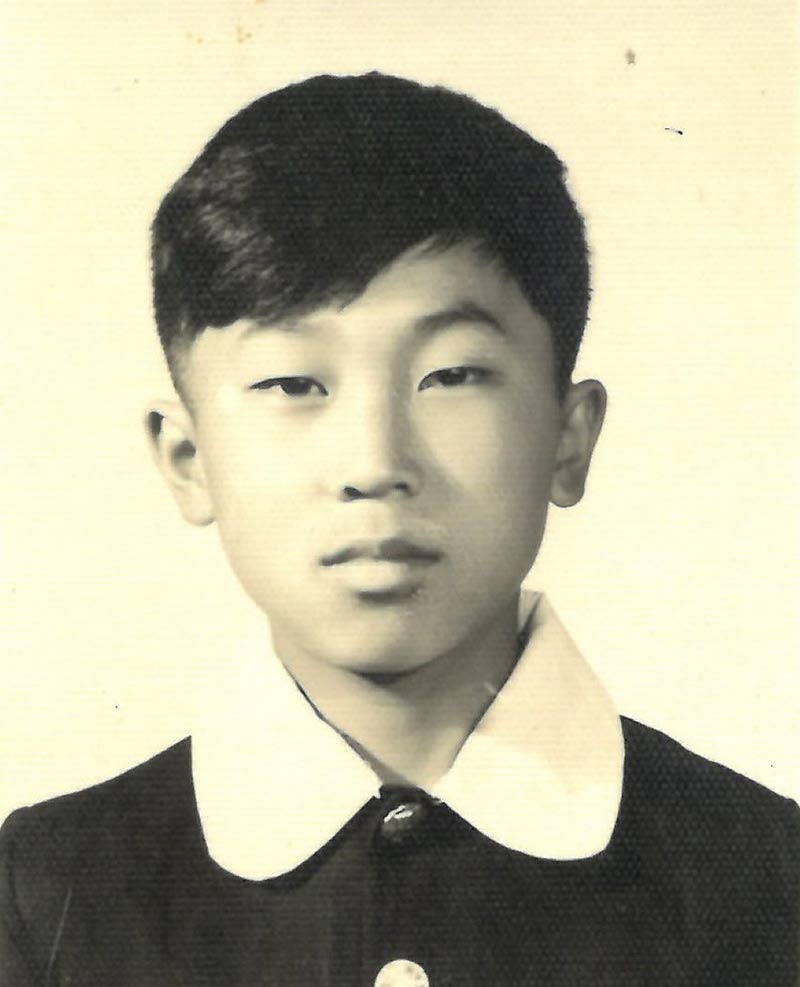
379 661
373 637
371 653
389 669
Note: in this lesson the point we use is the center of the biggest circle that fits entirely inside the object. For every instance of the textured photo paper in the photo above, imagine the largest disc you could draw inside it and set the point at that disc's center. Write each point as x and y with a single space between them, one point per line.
675 575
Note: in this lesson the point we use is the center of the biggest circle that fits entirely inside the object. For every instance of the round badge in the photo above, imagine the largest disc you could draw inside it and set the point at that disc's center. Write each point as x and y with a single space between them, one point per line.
402 973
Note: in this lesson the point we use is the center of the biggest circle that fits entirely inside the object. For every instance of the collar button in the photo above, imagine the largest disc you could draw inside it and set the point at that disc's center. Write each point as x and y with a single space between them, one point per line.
403 818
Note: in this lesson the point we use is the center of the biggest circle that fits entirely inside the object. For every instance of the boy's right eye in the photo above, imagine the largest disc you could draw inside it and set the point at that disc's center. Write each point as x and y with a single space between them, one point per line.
292 387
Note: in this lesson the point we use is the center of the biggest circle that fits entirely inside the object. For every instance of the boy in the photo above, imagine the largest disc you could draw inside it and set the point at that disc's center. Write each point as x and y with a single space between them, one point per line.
371 295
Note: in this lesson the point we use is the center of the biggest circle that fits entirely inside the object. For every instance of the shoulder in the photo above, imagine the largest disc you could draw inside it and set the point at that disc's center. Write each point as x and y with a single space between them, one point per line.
118 819
665 769
714 857
713 819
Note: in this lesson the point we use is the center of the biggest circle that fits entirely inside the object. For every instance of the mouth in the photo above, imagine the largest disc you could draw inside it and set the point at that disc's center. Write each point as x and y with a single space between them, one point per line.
381 571
387 550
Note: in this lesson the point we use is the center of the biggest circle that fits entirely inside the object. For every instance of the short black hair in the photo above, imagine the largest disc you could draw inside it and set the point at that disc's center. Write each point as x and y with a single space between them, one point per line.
306 194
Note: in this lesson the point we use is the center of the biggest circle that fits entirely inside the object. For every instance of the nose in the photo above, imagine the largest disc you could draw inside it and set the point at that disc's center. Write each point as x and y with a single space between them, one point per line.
375 456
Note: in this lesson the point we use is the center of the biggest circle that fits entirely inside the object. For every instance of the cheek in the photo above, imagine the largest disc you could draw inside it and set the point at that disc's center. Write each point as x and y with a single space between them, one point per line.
253 483
501 472
506 450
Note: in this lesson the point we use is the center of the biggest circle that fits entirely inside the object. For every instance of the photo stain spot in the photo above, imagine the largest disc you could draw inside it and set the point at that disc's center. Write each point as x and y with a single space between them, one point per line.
630 56
674 130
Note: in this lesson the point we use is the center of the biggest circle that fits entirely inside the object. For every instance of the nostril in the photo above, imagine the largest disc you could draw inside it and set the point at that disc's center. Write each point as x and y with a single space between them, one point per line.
378 488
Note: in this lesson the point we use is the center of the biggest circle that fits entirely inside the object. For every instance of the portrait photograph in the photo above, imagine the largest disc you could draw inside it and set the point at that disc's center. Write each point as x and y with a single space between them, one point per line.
401 494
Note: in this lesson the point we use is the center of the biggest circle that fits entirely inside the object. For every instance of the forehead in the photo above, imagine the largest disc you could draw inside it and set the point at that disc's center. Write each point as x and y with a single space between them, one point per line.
427 289
422 294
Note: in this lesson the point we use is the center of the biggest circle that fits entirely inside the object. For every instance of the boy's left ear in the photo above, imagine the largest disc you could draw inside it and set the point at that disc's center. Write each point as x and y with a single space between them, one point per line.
583 410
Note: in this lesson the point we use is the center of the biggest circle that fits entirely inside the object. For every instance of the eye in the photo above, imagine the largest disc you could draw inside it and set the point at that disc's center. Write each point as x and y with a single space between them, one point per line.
453 377
292 387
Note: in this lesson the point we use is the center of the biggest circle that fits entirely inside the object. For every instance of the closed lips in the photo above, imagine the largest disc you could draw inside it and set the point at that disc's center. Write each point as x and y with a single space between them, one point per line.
386 550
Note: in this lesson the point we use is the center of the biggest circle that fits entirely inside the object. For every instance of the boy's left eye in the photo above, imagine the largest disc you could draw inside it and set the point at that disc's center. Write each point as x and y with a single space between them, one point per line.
453 377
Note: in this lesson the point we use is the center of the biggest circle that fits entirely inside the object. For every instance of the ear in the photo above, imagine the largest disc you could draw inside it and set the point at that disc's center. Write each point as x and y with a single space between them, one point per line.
171 433
583 410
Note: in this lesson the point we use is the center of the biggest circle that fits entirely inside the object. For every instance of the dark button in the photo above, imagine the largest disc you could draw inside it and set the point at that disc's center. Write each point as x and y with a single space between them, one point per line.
403 814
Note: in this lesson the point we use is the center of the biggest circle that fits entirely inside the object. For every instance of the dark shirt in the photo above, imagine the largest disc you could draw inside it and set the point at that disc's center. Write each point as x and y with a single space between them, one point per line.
698 886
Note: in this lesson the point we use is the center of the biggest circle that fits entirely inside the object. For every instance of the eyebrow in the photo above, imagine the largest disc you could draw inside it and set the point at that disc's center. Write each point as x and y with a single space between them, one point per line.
464 311
257 326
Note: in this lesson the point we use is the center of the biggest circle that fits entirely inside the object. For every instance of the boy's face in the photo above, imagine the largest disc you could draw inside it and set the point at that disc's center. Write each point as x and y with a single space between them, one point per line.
380 472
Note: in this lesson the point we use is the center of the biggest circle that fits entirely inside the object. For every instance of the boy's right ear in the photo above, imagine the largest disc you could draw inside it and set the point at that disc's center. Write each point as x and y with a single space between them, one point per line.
171 433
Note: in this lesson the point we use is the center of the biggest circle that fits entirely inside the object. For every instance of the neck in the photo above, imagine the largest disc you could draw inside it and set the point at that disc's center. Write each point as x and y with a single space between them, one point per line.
410 727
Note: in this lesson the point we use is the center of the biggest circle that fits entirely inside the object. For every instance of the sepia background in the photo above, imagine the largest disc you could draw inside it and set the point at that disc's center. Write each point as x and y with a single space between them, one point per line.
678 575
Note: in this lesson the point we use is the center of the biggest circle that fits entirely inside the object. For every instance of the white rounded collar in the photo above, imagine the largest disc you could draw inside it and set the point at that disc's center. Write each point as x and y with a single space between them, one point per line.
541 773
